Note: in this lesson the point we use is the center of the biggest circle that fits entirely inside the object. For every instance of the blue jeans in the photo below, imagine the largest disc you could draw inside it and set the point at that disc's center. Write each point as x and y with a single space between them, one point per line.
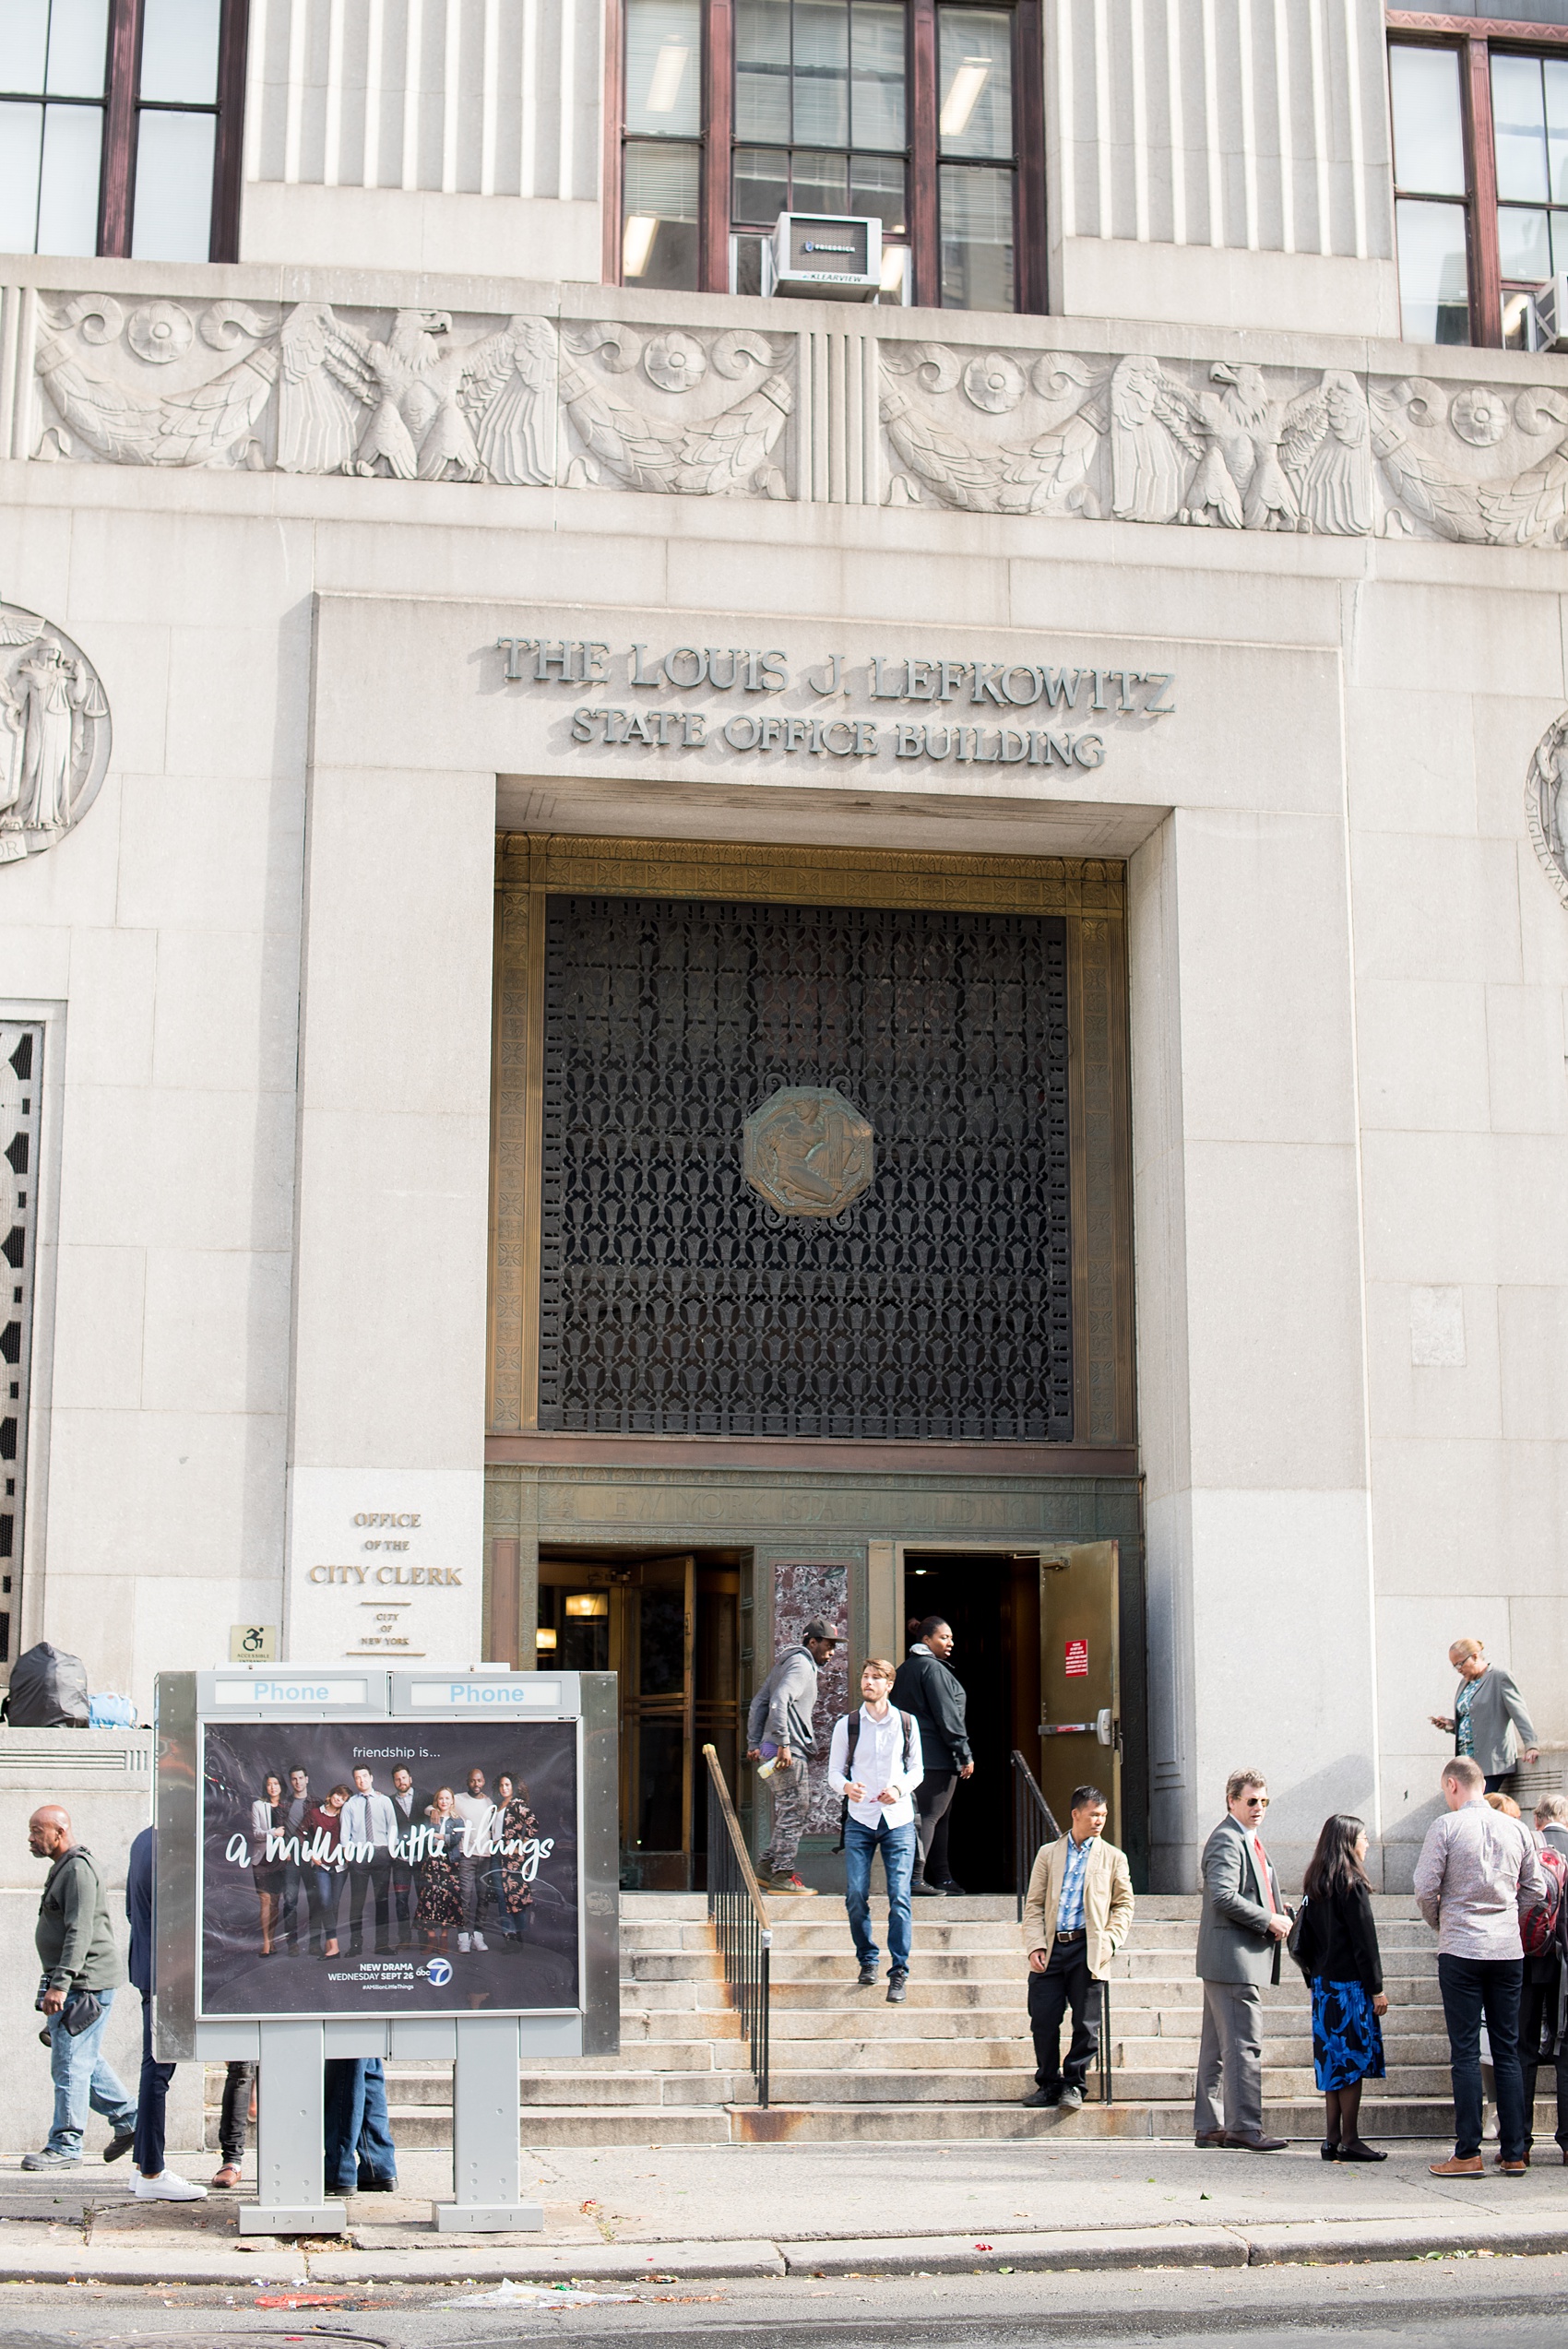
898 1848
82 2079
1473 1987
356 2128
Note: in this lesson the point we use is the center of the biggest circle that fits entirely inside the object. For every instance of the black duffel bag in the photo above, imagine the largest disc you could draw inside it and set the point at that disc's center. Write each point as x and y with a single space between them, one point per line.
48 1690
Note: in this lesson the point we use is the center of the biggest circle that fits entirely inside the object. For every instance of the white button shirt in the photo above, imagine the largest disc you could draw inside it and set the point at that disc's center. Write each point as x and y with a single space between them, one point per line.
369 1820
879 1763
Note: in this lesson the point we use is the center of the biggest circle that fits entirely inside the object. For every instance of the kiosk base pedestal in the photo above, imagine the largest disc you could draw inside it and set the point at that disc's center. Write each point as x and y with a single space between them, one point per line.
322 2218
489 2218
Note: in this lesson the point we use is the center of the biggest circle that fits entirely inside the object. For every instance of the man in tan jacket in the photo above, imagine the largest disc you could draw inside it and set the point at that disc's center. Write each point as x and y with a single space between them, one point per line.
1076 1915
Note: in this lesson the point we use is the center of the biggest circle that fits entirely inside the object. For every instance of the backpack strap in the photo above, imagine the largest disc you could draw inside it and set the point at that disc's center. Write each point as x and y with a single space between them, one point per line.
909 1721
850 1735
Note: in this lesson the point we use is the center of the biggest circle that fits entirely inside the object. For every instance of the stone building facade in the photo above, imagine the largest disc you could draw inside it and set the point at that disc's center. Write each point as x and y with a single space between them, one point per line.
424 637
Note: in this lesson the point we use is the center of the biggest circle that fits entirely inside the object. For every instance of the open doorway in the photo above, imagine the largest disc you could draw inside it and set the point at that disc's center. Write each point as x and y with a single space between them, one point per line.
991 1600
667 1623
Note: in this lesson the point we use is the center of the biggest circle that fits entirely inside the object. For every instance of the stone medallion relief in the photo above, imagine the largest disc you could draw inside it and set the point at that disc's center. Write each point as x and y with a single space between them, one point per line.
807 1151
53 733
1546 803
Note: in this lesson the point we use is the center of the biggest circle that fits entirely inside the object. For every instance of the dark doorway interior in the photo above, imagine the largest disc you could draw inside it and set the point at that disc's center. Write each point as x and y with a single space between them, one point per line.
991 1600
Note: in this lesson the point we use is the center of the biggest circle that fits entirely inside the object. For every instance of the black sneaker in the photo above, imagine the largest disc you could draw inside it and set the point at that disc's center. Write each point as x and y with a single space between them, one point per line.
1042 2099
923 1891
119 2145
866 1977
897 1982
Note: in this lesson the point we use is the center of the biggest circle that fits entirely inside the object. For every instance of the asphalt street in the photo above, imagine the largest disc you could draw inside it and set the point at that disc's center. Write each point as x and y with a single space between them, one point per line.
1456 2302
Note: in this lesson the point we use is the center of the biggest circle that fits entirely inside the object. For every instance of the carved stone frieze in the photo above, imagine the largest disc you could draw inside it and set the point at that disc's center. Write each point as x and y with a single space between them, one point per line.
1232 446
412 394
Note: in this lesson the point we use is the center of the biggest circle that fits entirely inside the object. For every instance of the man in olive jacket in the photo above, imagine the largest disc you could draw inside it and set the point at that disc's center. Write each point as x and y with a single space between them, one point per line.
75 1949
1077 1913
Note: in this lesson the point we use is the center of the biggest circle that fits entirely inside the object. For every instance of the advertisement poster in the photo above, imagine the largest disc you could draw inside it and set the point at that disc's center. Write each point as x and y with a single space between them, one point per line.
398 1868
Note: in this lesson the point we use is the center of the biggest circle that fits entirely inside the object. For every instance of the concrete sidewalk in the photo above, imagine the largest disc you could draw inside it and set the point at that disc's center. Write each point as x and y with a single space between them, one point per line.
731 2212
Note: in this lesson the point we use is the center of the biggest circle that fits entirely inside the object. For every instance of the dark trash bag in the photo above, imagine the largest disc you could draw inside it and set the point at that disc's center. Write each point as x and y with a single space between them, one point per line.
48 1690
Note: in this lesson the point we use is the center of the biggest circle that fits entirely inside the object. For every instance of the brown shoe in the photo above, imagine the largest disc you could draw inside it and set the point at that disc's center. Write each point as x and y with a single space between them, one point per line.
1258 2145
1459 2166
1217 2137
1513 2169
229 2176
1523 2161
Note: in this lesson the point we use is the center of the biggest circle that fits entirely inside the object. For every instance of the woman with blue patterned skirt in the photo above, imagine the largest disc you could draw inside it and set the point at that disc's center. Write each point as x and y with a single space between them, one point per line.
1335 1944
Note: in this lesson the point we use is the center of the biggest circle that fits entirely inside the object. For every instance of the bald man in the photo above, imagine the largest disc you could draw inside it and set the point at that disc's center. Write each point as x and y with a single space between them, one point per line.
75 1949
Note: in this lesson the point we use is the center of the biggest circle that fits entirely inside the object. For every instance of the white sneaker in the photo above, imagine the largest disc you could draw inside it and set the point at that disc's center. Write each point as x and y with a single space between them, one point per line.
168 2186
463 1944
480 1943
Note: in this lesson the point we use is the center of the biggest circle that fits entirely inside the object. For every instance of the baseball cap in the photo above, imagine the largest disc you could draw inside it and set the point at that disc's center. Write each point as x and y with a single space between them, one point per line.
818 1630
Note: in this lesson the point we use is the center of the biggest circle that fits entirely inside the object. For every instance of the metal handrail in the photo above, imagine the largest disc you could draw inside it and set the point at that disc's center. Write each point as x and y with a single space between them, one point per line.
1034 1824
739 1919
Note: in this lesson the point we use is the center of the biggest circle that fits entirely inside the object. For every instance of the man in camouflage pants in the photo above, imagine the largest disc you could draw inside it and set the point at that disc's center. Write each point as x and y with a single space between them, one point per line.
780 1717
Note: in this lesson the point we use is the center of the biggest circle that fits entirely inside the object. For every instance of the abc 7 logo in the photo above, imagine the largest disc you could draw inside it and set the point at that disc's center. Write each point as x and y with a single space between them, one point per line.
438 1972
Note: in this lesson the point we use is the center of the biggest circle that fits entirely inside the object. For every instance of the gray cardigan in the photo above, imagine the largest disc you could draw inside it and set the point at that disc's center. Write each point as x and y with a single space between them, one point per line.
1234 1941
1499 1727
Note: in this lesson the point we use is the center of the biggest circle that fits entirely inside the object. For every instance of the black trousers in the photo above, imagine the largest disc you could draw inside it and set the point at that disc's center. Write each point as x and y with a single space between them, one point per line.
1066 1982
151 2094
234 2119
1537 2001
933 1798
362 1876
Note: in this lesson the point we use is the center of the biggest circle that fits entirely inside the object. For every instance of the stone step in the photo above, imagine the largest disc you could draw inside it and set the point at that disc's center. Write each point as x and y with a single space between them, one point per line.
697 2125
896 2124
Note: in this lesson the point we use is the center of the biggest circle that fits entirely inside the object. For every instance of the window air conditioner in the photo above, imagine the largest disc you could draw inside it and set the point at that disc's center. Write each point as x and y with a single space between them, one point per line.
826 256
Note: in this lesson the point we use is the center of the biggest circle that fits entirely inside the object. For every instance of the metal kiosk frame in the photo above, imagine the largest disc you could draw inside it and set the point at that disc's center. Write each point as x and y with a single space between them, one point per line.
485 2051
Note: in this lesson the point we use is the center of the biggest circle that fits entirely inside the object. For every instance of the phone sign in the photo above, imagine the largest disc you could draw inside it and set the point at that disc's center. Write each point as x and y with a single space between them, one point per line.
1075 1659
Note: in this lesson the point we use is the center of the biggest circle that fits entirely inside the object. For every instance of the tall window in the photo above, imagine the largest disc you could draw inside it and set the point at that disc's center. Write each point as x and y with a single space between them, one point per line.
120 127
1480 168
925 114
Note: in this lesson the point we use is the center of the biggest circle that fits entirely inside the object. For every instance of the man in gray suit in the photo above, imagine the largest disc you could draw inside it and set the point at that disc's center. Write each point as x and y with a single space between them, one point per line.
1242 1928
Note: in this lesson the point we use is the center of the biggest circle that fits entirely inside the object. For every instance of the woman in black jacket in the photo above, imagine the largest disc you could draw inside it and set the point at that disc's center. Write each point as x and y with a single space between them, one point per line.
1336 1946
937 1699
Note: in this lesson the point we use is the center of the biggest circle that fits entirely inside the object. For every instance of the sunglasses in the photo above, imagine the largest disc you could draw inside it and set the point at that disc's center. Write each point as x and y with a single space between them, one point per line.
1257 1802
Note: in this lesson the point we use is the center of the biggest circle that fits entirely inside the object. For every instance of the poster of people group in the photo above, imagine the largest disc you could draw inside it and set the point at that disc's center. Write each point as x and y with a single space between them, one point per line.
399 1868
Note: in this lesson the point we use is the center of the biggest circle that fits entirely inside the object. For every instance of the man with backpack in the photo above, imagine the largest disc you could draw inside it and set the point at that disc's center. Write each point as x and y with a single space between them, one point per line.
873 1765
1543 1929
778 1728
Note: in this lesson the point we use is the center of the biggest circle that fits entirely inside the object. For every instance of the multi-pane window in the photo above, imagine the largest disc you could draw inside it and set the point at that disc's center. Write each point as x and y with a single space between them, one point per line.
907 111
119 127
1530 114
979 174
53 91
1480 168
1431 193
821 110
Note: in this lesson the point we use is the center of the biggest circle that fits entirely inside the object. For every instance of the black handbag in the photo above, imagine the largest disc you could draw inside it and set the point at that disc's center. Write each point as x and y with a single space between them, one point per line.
80 2011
1297 1936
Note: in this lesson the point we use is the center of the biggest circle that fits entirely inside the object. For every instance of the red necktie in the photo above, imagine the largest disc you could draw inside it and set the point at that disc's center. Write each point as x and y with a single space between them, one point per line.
1262 1858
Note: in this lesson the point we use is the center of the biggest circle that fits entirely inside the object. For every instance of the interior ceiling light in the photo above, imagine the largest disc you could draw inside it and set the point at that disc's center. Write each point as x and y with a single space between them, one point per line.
669 72
589 1603
544 1641
963 96
636 243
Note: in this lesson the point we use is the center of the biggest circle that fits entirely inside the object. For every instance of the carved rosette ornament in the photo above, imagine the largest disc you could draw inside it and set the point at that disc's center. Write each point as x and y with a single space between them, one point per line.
807 1151
53 734
1546 803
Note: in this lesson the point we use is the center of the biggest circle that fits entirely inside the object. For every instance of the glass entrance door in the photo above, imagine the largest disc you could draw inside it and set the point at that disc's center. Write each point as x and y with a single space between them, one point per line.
656 1657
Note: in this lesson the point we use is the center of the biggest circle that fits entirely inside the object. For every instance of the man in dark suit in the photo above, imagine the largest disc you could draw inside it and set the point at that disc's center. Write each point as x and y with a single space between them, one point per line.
1240 1933
410 1807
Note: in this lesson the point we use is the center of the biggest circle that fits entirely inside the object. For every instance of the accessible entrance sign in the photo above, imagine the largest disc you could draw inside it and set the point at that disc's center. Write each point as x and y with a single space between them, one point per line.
361 1862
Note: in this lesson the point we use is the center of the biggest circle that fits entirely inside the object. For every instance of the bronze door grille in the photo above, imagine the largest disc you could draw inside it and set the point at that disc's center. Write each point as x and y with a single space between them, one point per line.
675 1300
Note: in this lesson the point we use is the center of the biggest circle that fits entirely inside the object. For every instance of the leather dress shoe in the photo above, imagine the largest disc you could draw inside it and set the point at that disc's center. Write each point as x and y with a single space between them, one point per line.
1259 2144
1215 2137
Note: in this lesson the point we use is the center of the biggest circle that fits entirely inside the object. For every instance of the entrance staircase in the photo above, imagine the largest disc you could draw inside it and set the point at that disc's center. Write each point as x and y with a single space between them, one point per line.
953 2061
